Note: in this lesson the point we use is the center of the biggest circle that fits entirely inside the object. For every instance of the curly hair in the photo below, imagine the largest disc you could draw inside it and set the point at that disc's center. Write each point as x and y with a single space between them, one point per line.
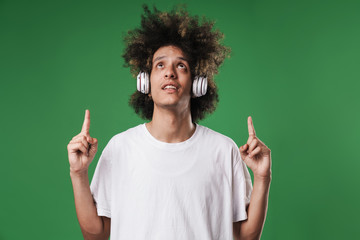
196 38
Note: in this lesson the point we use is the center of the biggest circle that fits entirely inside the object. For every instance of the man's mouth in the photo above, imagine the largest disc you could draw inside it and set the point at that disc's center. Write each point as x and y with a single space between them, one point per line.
170 88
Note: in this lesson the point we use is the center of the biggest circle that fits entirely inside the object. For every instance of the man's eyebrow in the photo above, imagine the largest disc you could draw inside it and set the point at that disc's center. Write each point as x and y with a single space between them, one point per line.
161 57
183 59
158 58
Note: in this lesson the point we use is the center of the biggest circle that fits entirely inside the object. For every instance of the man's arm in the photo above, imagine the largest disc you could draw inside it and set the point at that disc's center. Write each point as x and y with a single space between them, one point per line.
252 227
257 157
81 151
92 226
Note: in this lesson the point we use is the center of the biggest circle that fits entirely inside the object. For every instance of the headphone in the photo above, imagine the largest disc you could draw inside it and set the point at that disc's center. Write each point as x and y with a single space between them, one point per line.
199 84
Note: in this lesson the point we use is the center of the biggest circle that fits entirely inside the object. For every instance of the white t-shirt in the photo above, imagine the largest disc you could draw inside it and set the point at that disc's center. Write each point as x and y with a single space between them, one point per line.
150 189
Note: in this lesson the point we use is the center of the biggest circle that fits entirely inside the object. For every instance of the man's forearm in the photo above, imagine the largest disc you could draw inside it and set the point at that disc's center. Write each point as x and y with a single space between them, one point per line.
86 211
252 227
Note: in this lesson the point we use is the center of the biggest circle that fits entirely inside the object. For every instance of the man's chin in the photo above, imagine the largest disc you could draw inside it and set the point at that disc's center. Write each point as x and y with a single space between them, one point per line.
172 105
168 105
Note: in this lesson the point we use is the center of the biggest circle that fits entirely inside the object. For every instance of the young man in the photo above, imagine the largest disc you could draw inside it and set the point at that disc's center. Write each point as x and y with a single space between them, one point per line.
171 178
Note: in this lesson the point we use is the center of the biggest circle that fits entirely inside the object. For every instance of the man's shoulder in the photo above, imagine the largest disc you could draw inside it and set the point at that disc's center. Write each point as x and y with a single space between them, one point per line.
215 136
129 133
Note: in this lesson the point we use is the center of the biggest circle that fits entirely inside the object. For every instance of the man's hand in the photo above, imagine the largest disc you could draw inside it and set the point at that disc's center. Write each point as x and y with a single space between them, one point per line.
256 154
82 148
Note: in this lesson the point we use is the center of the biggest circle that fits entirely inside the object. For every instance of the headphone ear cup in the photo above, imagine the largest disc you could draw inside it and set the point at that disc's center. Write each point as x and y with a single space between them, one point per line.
147 83
204 84
138 83
142 82
194 87
200 86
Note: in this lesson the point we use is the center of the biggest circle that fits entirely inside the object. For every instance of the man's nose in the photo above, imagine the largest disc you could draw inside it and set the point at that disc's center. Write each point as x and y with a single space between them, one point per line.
170 72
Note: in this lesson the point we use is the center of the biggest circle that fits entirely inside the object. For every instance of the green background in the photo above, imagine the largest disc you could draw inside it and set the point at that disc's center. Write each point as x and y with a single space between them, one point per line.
294 68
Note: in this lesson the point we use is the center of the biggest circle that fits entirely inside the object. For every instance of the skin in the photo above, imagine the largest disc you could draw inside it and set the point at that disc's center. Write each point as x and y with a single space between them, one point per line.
171 123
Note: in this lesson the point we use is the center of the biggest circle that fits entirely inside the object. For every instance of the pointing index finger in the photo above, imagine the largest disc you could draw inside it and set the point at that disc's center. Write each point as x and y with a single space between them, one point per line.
86 124
251 126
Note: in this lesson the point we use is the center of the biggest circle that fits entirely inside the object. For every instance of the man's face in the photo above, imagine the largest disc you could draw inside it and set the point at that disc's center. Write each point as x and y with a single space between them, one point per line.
170 78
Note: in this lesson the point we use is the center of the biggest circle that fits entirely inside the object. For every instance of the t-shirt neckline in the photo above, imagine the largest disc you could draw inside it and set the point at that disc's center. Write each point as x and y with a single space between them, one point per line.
171 146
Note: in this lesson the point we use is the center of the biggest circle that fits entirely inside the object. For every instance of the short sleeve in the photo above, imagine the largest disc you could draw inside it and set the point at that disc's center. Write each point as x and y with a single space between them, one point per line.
100 186
241 188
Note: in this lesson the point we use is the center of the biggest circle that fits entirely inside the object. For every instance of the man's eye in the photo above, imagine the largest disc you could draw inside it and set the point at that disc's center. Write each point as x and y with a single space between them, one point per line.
182 65
160 65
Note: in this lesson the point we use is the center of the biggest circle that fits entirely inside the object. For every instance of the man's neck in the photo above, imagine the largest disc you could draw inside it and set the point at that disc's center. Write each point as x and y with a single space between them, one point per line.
171 126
